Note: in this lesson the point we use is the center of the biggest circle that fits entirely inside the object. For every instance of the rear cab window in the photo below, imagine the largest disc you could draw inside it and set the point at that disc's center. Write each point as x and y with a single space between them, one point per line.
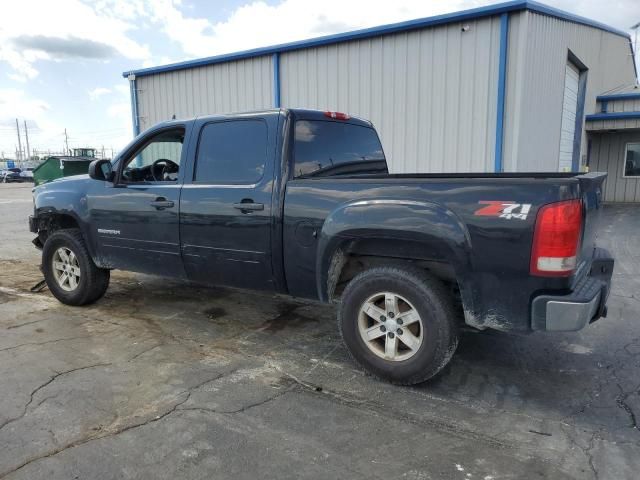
329 148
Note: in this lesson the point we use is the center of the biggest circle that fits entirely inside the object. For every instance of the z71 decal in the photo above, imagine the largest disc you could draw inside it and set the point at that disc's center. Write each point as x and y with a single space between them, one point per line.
503 209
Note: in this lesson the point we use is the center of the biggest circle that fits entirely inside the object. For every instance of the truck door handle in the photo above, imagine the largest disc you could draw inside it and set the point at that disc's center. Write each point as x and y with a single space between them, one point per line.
161 203
247 205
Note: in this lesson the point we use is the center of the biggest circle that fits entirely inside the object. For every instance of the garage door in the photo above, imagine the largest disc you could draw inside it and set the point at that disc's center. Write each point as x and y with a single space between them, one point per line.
569 109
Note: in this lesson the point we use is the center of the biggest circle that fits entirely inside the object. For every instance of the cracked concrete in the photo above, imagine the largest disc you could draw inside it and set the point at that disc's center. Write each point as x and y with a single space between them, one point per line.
163 380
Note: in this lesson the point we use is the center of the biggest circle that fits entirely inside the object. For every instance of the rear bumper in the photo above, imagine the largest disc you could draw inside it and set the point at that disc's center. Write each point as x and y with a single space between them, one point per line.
585 304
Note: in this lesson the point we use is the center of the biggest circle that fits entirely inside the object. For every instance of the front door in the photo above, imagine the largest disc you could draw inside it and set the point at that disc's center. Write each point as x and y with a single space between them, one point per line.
225 210
136 220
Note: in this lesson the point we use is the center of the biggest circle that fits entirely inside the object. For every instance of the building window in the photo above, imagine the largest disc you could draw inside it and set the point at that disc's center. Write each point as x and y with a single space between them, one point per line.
632 160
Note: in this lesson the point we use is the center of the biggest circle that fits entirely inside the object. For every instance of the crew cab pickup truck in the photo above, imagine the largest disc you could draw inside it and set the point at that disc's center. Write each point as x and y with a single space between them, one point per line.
301 203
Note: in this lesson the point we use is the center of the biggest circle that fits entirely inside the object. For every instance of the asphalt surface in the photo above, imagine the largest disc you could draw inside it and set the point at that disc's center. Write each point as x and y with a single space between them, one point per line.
162 380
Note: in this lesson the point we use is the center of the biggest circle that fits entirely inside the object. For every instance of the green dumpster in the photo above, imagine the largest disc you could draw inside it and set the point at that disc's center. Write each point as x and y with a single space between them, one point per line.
60 166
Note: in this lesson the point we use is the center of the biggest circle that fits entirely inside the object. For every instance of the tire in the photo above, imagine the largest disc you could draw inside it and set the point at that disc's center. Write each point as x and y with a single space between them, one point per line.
83 289
433 337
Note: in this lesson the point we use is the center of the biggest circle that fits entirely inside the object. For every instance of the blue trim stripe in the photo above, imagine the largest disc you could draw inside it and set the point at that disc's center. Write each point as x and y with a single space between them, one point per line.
543 9
618 96
134 105
475 13
633 57
276 80
612 116
502 80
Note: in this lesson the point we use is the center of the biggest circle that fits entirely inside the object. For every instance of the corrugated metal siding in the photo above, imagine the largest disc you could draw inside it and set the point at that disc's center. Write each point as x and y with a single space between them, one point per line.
222 88
430 93
568 124
627 105
538 49
608 155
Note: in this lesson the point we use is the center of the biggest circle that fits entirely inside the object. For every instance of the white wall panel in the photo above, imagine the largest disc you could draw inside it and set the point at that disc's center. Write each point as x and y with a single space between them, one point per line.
616 106
237 86
538 50
431 93
608 155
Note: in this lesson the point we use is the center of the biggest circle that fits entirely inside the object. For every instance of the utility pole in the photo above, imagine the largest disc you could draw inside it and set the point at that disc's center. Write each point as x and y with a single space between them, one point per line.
19 141
26 136
66 141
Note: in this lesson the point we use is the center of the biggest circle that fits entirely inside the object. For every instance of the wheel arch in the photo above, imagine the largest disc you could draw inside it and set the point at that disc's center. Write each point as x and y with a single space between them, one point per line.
50 220
390 230
63 205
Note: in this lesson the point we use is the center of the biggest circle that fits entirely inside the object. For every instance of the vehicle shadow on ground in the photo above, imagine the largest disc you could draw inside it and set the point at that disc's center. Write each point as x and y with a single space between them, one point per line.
555 376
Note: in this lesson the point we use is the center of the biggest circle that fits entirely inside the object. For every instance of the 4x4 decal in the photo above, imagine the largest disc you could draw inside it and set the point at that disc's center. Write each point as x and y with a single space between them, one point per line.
503 209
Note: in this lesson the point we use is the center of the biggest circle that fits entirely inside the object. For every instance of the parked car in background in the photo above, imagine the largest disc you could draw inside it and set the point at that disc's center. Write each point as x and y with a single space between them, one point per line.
26 175
12 175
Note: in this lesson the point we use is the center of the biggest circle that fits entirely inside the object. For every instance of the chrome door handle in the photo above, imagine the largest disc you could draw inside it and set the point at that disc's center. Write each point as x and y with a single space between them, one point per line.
248 206
162 203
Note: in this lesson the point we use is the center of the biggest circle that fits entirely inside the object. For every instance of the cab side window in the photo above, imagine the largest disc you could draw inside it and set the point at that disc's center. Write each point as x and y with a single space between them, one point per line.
157 161
232 152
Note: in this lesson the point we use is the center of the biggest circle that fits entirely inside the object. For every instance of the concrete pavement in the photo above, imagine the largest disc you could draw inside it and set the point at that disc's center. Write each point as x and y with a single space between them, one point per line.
164 380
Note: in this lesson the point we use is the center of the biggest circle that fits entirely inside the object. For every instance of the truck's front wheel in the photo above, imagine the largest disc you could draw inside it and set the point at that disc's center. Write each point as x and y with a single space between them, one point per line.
398 323
69 271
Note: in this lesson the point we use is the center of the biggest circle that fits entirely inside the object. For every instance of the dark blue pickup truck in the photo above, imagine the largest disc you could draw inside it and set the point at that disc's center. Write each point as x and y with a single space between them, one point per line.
300 202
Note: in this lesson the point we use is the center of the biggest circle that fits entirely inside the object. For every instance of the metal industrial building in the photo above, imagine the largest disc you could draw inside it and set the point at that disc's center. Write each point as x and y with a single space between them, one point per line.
499 88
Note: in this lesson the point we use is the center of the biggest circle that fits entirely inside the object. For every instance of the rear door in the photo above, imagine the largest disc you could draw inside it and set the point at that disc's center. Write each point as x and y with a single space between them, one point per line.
226 204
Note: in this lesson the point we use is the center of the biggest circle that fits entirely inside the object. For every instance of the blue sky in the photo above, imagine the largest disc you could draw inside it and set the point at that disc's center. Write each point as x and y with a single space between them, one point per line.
61 60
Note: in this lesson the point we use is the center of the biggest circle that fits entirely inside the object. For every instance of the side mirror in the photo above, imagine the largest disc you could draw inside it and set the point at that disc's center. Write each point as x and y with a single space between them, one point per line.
101 170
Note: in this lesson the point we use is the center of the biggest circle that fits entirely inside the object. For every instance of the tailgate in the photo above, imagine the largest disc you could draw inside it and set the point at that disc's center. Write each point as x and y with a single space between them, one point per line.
591 193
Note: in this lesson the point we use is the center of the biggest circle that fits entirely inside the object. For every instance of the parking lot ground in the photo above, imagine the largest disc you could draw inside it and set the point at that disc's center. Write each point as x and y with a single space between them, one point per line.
164 380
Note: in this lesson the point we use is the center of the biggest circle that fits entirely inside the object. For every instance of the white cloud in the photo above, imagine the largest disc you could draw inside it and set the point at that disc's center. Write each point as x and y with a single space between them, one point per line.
42 130
35 30
46 133
14 99
122 88
258 24
154 61
98 92
120 110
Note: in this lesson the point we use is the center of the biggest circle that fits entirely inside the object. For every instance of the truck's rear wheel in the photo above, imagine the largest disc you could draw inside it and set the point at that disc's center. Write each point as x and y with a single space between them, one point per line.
398 323
69 271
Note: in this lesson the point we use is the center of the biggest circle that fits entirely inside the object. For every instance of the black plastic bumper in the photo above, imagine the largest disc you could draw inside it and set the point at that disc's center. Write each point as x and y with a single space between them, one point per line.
33 224
585 304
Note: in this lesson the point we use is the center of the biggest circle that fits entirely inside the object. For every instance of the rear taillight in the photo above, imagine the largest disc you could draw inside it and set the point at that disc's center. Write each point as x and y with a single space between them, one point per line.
556 239
337 115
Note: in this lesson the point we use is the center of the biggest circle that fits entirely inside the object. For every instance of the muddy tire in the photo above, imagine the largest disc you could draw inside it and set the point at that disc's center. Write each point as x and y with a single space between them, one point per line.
69 271
398 323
